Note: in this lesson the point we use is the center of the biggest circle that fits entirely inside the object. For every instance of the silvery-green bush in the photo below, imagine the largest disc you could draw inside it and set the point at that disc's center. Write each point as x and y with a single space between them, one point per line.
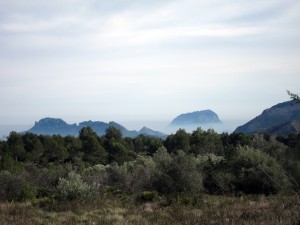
74 188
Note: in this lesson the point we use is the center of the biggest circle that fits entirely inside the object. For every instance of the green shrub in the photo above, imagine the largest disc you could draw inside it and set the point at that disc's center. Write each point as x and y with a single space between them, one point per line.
177 173
258 173
10 186
26 193
73 188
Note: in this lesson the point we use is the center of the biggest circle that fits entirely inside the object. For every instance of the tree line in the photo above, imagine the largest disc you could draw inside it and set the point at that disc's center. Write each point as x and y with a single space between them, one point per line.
203 161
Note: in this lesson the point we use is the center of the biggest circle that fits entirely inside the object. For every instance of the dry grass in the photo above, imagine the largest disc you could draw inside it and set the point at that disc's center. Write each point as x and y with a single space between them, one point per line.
202 210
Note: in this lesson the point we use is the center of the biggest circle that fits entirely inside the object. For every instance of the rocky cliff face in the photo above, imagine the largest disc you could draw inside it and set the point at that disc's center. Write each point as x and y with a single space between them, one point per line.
196 118
280 119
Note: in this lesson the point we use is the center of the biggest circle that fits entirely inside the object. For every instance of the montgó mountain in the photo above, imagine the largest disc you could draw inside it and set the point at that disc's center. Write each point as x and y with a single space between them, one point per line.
51 126
197 118
281 119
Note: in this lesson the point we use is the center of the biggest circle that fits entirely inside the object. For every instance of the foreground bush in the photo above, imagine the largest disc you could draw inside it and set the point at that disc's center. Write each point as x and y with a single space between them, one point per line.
73 188
14 187
256 172
177 173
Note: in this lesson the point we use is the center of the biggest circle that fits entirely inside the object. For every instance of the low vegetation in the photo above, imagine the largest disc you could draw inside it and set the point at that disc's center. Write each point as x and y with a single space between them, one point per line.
188 178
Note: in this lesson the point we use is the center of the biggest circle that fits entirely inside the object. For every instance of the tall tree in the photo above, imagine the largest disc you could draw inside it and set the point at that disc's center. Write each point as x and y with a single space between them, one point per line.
93 151
16 146
113 133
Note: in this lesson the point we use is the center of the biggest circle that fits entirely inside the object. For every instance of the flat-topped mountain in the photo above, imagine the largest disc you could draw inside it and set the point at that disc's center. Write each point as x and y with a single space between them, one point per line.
281 119
203 117
52 126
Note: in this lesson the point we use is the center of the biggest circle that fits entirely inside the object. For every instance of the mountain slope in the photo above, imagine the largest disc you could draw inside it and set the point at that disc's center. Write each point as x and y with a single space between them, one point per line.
280 119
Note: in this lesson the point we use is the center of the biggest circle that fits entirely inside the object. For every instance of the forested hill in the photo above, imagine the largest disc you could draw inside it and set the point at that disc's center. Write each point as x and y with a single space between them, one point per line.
52 126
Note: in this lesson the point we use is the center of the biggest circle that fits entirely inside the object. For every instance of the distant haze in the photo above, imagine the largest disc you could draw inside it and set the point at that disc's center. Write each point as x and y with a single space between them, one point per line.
163 126
136 61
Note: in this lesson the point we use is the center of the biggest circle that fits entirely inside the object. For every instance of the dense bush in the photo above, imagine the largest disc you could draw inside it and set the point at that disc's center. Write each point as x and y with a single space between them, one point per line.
73 188
218 178
14 187
75 168
177 173
257 172
26 193
133 176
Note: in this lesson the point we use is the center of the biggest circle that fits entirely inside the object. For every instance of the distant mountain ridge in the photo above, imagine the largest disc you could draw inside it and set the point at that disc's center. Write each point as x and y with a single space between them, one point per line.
52 126
281 119
202 117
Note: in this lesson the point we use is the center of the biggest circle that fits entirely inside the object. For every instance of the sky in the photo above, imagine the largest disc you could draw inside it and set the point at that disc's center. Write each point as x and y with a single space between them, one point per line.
141 60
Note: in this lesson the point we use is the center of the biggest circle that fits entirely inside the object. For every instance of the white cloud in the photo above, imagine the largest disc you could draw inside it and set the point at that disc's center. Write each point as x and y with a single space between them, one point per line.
121 58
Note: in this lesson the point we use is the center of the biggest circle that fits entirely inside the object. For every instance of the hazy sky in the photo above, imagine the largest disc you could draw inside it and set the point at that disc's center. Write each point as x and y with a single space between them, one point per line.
126 60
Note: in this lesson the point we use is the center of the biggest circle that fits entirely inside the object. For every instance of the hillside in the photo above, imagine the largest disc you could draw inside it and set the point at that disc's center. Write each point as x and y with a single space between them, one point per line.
281 119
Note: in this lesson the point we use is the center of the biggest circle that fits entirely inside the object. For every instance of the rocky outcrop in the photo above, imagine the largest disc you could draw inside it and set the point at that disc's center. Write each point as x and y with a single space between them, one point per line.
52 126
197 118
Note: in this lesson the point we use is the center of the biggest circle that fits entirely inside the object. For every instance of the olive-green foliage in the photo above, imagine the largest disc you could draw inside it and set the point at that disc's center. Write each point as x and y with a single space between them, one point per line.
202 161
9 164
14 187
292 170
178 141
26 193
177 173
74 188
112 133
218 179
33 147
146 144
203 142
270 146
133 176
91 147
16 146
235 139
257 172
45 180
118 152
54 149
98 174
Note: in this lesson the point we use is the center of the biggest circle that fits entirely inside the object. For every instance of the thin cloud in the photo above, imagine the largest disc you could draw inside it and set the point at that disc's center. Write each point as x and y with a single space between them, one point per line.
118 57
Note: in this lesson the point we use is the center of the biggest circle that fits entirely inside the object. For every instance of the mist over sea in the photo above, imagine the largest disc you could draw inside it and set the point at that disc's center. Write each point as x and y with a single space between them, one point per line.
162 126
5 129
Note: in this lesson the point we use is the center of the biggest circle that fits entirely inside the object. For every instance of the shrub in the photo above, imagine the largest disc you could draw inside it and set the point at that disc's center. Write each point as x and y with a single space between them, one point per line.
257 172
133 176
26 193
73 188
176 174
10 186
218 179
